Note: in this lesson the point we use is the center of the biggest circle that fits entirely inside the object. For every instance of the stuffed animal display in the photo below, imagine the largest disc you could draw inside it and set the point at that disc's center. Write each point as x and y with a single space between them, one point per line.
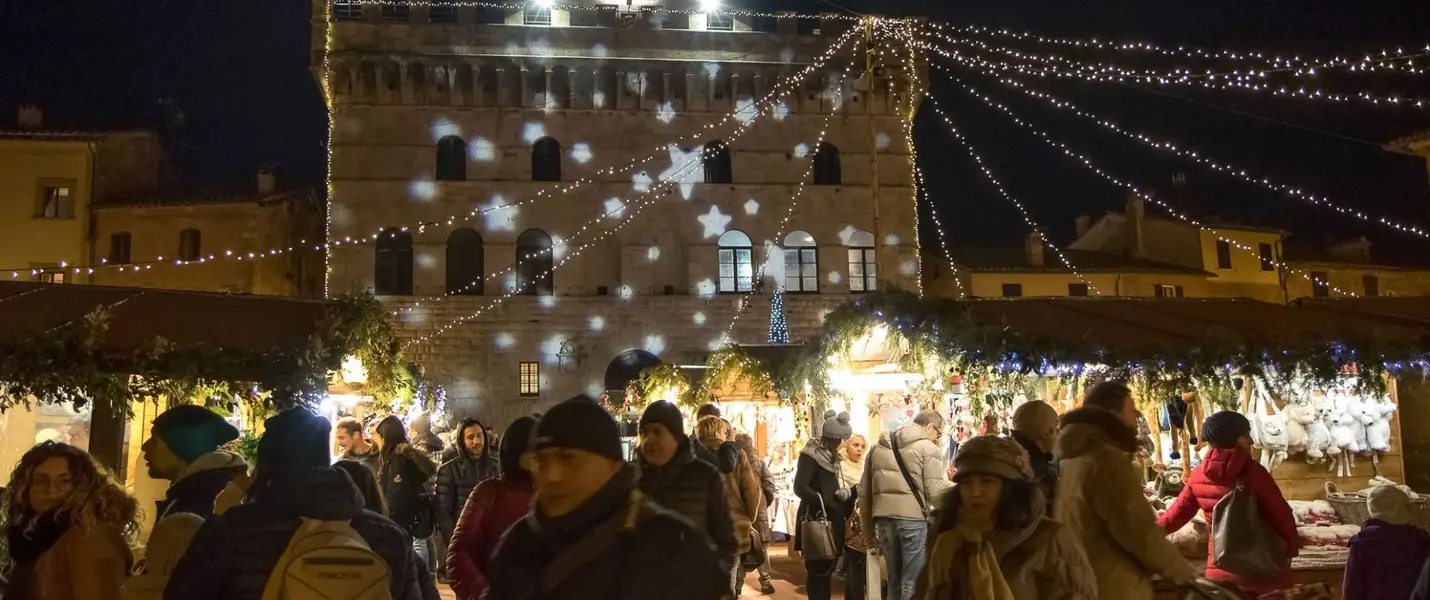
1318 432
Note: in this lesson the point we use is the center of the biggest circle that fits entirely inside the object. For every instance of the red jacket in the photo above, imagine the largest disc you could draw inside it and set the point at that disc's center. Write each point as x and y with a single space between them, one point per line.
1211 480
493 506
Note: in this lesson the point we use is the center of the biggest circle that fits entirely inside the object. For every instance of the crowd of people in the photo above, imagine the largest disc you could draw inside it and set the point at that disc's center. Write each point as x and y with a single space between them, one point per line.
551 509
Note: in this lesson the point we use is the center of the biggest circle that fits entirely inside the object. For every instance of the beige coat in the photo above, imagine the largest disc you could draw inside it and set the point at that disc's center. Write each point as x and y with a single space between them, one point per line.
885 493
84 565
743 494
1101 500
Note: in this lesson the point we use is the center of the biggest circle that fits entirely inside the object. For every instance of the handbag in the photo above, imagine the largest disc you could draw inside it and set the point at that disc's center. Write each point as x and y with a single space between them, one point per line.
904 470
854 534
756 556
816 536
1243 543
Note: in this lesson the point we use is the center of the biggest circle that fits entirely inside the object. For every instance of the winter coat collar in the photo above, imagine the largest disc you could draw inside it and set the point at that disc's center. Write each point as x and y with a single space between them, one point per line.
28 540
417 456
826 458
199 485
1035 454
555 533
684 455
1087 430
1224 466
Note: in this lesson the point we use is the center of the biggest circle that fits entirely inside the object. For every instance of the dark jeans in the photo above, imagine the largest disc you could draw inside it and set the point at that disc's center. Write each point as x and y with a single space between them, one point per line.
818 576
855 574
903 542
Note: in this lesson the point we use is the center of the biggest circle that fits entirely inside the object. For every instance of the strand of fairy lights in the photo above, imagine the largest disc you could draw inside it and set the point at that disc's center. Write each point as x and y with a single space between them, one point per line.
597 8
743 299
993 179
1180 51
134 266
1087 163
759 108
919 184
1223 167
673 179
911 64
1244 84
331 104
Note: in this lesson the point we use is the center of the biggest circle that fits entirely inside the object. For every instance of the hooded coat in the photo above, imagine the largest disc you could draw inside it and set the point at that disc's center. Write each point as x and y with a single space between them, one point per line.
1100 499
233 554
695 490
457 477
1385 562
658 556
190 500
884 491
816 479
1218 475
403 477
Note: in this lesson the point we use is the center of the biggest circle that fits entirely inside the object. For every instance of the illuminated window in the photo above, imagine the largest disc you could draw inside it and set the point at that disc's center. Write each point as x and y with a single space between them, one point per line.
451 159
801 263
56 202
1169 291
347 10
826 165
1012 290
396 12
51 276
442 13
716 158
1223 254
529 379
1372 285
464 263
737 264
533 263
537 15
719 22
546 160
119 248
863 263
392 263
190 244
1320 285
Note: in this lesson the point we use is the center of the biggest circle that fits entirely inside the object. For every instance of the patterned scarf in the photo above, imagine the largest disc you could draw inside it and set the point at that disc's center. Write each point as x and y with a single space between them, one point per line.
963 565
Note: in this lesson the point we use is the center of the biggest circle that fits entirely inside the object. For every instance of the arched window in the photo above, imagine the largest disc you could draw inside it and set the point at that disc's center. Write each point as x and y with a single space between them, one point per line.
451 159
533 263
119 244
190 244
801 263
863 263
392 263
546 160
826 165
716 158
464 263
737 264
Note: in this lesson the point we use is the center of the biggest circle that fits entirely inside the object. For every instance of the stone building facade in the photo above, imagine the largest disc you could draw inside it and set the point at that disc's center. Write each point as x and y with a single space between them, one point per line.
443 116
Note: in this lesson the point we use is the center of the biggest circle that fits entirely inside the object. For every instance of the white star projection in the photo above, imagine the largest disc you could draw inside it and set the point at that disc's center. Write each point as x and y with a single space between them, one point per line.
801 151
444 128
599 51
653 253
909 267
835 277
781 111
505 341
716 344
891 240
558 247
597 322
533 131
499 216
627 292
706 288
581 153
546 301
340 214
846 233
714 222
774 263
655 344
881 141
614 208
422 189
551 347
745 110
482 150
666 113
598 99
426 261
698 318
752 207
642 181
689 162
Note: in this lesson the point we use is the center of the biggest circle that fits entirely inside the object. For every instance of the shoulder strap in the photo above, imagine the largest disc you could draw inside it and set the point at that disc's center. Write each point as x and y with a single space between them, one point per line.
904 470
593 544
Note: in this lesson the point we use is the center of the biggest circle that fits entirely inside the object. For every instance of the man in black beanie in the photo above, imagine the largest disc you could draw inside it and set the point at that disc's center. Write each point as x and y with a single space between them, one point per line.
234 555
672 476
591 533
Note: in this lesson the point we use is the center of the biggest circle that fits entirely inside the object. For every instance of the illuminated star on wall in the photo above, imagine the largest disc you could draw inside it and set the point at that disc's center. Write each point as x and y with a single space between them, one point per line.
752 207
499 216
714 222
581 153
690 173
615 208
666 114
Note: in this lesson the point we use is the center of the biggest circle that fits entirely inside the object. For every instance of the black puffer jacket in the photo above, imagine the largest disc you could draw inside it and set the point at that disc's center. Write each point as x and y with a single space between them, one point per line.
404 475
659 556
457 477
693 489
233 554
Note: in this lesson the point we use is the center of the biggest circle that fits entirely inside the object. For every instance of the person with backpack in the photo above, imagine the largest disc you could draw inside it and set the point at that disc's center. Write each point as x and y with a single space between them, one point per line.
1228 465
303 532
183 448
403 472
492 507
903 478
671 475
591 534
726 456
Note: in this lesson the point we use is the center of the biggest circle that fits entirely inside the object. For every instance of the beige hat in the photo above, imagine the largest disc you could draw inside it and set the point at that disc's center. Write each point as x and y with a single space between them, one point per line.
993 455
1035 418
1391 504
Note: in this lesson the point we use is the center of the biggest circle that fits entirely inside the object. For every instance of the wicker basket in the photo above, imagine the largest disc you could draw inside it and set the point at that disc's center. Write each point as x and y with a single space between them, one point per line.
1350 507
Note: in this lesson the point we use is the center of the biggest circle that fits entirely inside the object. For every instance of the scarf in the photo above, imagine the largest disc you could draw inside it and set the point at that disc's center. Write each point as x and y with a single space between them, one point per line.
826 458
27 543
979 579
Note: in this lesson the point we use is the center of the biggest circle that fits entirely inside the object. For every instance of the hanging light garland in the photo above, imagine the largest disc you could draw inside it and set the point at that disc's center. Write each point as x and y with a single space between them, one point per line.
609 8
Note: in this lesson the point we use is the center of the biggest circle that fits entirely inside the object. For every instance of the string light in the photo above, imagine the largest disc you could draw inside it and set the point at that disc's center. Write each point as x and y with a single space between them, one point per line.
1087 163
611 8
1198 157
993 179
779 91
1243 83
328 99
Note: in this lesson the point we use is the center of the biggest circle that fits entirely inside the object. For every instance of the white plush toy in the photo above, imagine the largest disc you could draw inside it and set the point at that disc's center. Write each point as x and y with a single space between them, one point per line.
1299 416
1377 432
1343 435
1363 414
1272 436
1318 432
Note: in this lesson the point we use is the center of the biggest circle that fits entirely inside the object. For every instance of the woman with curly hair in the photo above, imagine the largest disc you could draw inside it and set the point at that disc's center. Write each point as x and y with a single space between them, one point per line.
67 526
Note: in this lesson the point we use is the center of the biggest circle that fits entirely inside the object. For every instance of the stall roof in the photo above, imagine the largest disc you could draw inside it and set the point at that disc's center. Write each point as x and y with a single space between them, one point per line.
137 316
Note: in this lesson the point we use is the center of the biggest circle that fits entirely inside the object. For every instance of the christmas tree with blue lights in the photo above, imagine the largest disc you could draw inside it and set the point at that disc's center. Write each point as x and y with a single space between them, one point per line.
779 330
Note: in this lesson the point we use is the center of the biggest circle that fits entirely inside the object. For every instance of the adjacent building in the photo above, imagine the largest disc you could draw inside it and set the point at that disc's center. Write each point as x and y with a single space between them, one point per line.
496 180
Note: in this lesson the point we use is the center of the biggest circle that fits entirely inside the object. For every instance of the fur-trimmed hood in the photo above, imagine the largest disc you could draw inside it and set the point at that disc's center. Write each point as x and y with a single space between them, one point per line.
418 457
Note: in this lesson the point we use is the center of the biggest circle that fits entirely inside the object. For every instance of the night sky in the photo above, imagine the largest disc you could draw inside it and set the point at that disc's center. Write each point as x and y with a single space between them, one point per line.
228 83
